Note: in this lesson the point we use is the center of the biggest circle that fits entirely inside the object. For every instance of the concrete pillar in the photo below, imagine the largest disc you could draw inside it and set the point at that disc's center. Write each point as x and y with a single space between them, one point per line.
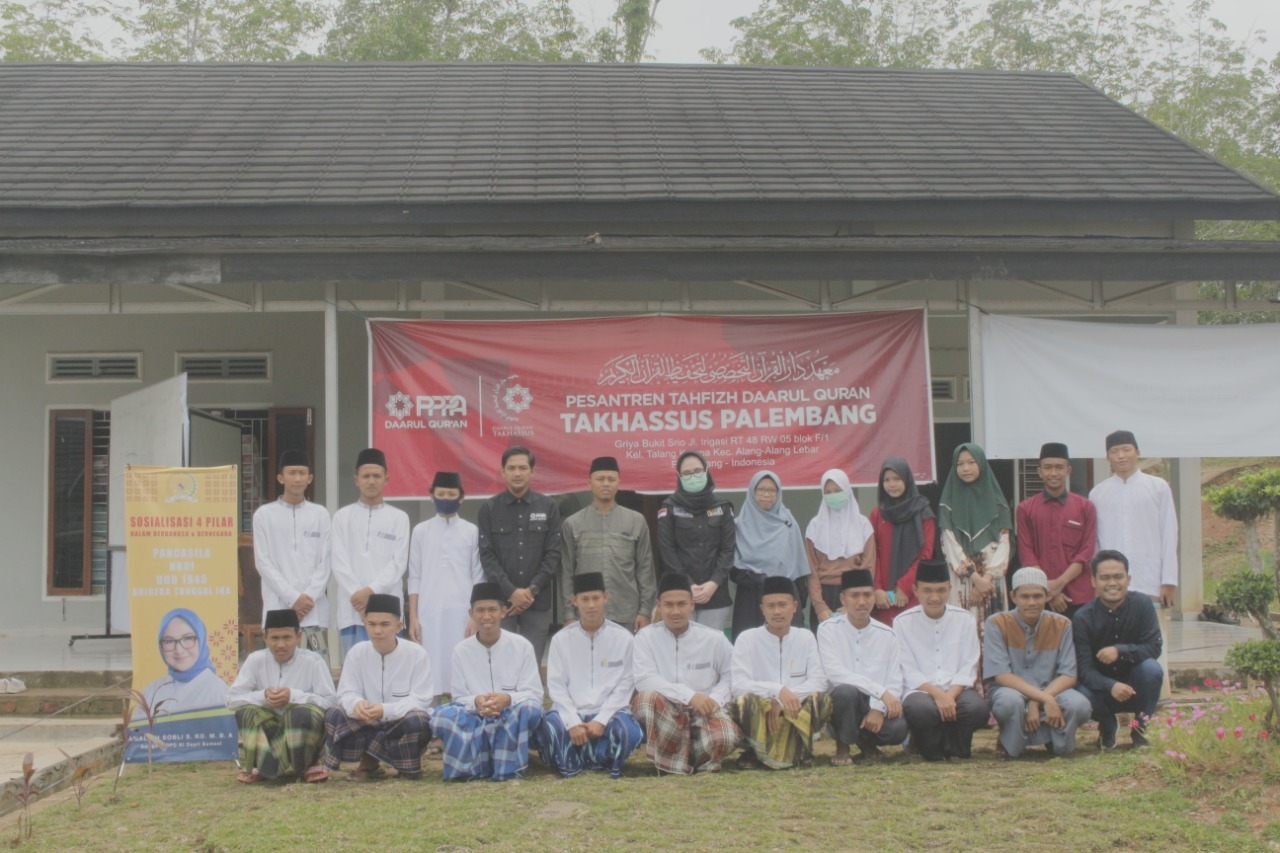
331 443
1186 498
977 396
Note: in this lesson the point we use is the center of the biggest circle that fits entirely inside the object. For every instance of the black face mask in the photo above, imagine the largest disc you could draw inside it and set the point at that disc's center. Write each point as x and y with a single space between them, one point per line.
446 506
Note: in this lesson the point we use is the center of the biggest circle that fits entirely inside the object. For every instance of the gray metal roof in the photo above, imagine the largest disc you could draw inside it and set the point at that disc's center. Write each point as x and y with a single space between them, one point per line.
240 135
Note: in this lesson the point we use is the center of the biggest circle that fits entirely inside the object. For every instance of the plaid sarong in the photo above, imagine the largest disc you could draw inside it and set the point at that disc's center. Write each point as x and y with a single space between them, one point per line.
477 747
680 740
398 743
608 752
793 742
280 744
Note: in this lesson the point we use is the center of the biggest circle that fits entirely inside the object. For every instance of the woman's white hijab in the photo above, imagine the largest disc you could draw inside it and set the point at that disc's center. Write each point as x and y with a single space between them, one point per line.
838 533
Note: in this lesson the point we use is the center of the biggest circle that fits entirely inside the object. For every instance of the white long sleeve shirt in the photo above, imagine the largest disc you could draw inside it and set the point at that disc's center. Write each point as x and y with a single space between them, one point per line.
868 658
698 661
291 550
1136 517
590 673
943 652
306 675
370 548
508 666
399 681
444 564
763 663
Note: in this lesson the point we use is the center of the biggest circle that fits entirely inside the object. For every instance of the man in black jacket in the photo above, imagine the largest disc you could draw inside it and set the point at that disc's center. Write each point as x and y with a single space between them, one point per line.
1117 637
520 548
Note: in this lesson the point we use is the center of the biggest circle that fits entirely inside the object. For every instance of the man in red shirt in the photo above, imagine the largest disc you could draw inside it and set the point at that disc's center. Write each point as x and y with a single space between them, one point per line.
1058 532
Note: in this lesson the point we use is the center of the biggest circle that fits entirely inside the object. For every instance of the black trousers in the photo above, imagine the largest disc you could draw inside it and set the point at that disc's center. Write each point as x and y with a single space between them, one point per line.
936 740
849 707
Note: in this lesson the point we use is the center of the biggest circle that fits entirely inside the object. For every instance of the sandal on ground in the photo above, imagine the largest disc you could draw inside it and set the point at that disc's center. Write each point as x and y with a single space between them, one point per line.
316 774
248 777
434 750
362 775
748 761
841 760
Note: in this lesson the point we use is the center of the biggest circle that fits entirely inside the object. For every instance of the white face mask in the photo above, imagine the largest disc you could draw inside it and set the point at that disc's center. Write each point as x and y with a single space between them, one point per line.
836 500
694 483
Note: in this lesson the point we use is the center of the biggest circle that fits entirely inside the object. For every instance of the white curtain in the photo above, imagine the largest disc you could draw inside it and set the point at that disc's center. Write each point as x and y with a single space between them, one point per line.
1182 390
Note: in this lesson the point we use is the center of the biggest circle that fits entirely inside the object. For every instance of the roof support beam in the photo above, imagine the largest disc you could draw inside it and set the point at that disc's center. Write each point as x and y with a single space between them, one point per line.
494 294
211 297
936 307
1142 291
1056 291
873 291
29 294
203 262
778 292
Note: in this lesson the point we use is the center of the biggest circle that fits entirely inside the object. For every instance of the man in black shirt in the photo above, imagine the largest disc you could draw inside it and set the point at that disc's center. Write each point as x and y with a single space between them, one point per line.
1118 642
520 548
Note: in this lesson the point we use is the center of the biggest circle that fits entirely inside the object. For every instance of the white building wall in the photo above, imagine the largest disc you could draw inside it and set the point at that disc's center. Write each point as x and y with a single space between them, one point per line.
296 345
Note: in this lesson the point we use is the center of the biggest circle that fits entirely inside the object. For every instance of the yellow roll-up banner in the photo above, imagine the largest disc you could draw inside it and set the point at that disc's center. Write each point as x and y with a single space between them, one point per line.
181 529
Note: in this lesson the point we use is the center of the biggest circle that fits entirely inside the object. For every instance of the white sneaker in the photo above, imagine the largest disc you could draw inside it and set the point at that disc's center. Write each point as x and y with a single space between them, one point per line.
4 685
17 685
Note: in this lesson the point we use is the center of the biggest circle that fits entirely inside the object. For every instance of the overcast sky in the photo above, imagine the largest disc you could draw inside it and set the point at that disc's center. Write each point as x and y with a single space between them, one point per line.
689 25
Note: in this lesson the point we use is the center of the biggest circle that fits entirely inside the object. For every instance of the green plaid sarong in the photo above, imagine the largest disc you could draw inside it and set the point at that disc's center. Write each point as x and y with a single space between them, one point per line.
283 743
793 742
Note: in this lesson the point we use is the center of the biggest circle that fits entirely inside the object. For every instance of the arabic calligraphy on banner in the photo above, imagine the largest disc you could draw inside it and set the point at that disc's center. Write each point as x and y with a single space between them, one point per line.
795 394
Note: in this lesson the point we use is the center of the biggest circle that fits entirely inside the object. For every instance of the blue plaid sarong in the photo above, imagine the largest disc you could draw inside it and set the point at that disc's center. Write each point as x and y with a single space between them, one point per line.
609 752
476 747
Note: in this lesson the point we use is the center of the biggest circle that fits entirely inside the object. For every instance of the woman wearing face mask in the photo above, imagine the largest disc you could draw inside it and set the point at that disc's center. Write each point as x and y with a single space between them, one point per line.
444 564
696 537
904 533
838 539
975 521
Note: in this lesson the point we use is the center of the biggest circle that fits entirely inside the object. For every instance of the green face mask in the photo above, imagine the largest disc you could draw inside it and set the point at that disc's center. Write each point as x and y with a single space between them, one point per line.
836 500
694 483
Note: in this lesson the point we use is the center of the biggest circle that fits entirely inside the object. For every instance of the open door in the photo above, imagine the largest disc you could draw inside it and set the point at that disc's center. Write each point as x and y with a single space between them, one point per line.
154 426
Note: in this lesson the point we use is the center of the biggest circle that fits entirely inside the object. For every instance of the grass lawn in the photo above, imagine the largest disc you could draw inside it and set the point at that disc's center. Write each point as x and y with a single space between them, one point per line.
1089 802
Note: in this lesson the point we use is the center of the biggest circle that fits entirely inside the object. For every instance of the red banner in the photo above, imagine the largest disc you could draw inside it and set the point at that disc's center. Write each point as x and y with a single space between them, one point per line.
798 395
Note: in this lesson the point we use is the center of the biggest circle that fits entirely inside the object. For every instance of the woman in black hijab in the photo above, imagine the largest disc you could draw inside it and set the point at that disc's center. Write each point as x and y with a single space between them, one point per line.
696 537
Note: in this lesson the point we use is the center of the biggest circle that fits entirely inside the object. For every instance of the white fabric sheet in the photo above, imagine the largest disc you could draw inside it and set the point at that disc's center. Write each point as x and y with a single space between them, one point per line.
1182 390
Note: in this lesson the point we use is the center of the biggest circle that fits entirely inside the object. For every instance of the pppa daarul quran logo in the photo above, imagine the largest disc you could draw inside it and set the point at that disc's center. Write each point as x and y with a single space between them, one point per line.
426 411
511 398
399 405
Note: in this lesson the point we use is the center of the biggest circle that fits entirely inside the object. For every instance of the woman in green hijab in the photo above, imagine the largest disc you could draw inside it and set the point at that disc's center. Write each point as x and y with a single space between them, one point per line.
976 523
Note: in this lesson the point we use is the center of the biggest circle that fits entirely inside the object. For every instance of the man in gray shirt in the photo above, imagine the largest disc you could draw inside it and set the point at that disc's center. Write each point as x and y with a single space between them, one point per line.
614 541
1029 667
